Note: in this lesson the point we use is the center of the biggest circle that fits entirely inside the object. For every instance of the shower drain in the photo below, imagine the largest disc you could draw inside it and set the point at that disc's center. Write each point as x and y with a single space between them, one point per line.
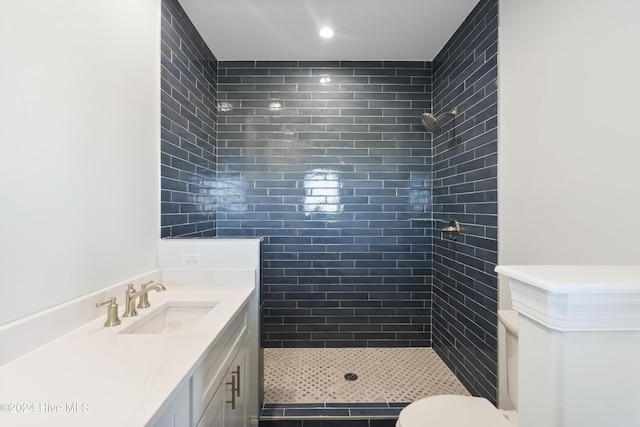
350 377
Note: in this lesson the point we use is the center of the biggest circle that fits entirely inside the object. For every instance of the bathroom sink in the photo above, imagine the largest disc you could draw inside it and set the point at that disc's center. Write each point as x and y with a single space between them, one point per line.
171 318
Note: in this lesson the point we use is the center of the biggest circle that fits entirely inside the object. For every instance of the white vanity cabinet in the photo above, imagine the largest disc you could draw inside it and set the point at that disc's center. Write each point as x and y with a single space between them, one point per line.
215 395
238 374
228 405
219 385
177 414
174 378
214 415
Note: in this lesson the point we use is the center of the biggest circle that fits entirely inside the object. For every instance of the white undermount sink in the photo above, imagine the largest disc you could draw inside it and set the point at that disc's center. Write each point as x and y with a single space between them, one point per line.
171 318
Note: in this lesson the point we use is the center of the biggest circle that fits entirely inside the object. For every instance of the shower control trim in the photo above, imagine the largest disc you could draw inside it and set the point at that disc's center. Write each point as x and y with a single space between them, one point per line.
453 229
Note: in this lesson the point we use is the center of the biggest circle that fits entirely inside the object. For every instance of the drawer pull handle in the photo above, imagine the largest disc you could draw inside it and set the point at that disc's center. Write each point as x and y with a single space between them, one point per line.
237 372
233 392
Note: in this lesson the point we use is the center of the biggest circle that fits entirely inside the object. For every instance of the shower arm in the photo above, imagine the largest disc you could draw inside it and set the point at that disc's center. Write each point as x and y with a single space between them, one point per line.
447 113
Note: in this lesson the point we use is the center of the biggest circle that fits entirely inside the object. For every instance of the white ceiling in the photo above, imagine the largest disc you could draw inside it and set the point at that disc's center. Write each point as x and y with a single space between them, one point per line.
364 29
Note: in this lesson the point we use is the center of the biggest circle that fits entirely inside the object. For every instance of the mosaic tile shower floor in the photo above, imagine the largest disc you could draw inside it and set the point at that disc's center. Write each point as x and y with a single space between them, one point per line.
311 382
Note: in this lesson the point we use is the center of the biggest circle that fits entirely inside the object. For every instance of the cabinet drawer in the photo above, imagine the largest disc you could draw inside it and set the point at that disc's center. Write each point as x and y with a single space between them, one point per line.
211 372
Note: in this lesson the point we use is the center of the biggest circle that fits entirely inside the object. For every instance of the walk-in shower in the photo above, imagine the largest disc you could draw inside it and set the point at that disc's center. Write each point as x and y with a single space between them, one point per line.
352 382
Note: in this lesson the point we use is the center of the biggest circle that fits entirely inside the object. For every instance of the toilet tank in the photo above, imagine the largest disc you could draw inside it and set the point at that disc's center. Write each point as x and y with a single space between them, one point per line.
509 318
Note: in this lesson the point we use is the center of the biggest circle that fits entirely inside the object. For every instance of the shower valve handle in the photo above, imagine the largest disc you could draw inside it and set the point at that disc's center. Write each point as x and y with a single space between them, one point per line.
453 229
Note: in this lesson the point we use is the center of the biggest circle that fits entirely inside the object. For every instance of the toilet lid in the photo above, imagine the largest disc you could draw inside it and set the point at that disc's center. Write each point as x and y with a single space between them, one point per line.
451 411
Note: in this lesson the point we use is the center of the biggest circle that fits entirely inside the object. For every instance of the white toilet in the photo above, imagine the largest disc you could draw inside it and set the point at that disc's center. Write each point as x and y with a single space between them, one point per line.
455 411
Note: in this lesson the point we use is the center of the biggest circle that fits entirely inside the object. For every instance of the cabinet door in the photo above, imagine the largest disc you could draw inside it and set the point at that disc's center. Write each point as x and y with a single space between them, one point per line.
236 415
177 414
228 406
214 369
214 415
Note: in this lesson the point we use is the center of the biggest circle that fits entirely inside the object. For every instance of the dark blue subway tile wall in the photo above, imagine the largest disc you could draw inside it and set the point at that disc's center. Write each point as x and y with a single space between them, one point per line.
465 188
188 128
328 161
346 188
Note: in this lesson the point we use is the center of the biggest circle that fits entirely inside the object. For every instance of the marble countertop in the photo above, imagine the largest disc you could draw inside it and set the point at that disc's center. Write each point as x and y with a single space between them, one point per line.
99 377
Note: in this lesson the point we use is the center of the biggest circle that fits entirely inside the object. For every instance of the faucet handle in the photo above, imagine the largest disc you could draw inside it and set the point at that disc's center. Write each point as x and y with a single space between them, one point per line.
144 297
130 303
112 312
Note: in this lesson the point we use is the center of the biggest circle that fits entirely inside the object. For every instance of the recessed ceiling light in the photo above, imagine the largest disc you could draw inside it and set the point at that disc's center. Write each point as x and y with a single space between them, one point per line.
326 33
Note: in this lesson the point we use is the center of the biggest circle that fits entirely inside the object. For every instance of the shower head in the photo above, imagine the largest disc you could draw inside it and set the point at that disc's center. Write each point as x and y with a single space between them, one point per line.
432 124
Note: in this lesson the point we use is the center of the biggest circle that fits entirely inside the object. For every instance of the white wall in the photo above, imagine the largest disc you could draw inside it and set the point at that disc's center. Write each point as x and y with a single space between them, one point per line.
569 122
79 134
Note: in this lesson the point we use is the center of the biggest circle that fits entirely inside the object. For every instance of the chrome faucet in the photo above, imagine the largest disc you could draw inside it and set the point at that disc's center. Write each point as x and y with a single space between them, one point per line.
132 294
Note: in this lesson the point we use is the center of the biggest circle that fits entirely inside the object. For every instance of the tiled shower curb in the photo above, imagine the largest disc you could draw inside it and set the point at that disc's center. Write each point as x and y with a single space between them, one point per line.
330 414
